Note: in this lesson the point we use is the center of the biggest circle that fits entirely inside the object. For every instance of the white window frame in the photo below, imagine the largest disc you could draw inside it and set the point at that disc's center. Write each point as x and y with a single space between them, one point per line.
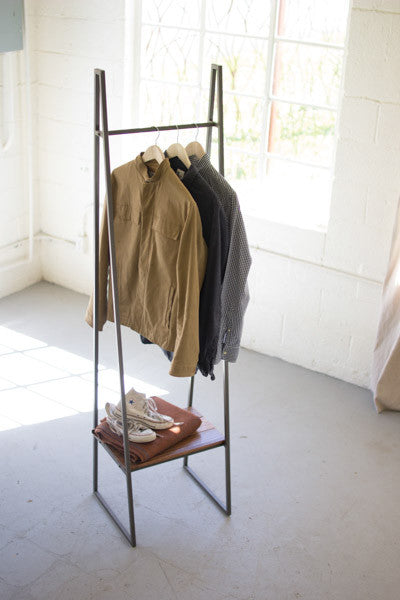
267 98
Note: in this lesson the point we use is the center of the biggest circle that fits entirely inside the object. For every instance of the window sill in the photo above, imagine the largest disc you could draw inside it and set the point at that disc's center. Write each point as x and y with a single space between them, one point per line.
300 207
292 225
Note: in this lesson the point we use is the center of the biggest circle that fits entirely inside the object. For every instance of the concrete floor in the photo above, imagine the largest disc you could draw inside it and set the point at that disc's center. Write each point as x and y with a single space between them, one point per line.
315 477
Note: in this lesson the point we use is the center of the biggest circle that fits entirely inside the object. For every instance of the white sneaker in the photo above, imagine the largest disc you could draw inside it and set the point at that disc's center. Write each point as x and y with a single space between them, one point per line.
144 410
136 431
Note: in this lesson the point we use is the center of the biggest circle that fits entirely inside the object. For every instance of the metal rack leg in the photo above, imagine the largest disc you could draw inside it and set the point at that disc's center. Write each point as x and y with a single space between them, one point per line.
216 78
227 440
101 98
190 404
190 400
96 275
226 506
114 517
220 102
211 101
116 306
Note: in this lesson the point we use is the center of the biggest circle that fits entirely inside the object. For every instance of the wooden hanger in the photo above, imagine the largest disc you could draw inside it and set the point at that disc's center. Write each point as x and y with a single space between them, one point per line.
195 148
178 150
154 152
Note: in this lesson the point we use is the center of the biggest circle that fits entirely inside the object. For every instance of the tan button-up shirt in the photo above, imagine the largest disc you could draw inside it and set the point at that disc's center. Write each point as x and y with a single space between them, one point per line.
161 258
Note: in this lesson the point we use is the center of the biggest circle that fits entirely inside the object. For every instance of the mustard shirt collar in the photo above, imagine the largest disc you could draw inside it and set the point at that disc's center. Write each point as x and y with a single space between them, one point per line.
159 169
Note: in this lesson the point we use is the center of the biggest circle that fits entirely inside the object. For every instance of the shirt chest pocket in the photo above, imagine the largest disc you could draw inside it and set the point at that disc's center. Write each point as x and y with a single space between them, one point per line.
165 228
124 212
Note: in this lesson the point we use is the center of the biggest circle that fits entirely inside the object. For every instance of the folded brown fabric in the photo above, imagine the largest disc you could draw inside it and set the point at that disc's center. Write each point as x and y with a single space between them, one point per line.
188 423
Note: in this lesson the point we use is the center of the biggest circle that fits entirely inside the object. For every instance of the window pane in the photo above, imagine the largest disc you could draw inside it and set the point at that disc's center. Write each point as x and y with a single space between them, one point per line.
240 16
172 12
313 20
302 132
243 62
242 121
167 104
239 165
307 73
170 54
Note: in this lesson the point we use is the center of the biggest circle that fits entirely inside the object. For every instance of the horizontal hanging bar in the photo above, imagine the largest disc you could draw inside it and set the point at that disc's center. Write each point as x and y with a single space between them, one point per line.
154 128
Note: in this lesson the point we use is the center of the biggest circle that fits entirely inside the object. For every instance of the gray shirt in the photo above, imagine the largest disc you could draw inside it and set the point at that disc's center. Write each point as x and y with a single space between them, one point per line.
235 291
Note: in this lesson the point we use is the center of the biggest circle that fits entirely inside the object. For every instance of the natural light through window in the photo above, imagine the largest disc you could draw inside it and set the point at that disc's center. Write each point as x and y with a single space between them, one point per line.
40 383
282 62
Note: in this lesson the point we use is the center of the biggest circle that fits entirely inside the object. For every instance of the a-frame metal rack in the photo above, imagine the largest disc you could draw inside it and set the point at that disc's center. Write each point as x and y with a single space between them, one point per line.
200 441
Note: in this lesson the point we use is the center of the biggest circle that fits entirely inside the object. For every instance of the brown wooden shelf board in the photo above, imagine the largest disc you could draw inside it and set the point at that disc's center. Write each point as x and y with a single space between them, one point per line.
205 438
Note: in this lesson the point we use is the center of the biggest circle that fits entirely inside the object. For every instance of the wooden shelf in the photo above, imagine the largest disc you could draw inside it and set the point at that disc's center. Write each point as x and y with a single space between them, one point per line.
205 438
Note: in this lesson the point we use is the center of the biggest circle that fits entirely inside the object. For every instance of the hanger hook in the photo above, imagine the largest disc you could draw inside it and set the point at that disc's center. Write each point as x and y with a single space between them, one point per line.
177 134
158 135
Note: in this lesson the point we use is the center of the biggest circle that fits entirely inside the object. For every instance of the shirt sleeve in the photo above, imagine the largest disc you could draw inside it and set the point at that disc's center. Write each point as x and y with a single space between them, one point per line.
235 290
210 296
190 269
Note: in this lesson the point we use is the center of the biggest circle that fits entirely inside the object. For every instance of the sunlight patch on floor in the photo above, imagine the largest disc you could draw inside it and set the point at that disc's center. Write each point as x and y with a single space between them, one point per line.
40 383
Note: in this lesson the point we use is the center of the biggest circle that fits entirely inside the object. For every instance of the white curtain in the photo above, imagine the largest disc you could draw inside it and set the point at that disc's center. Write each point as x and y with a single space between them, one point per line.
385 379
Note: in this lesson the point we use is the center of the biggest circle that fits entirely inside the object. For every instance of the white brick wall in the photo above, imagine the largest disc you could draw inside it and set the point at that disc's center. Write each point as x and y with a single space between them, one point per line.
323 313
16 271
73 38
315 296
313 316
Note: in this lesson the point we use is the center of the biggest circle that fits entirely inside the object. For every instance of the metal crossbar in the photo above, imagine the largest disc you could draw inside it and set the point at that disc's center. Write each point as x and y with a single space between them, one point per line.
154 128
100 110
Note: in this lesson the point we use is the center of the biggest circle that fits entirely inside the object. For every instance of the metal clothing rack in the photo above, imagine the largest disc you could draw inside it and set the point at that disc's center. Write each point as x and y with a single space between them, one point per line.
199 442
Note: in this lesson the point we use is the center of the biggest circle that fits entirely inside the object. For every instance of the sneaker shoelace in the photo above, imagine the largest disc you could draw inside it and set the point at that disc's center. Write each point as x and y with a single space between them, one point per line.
116 424
148 406
151 410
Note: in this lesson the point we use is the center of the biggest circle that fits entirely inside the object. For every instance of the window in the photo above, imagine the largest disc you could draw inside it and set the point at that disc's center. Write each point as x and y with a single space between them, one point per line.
282 63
